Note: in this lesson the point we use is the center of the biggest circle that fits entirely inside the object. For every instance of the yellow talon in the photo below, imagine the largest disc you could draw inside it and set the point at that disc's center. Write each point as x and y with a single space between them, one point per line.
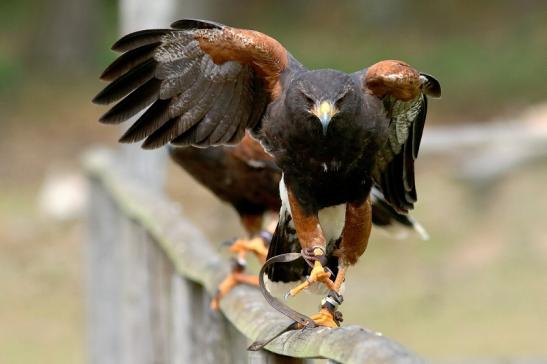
256 246
229 283
318 274
324 318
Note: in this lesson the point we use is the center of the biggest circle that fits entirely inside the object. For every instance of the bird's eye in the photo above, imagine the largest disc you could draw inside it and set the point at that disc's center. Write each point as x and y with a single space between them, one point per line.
309 101
339 102
341 99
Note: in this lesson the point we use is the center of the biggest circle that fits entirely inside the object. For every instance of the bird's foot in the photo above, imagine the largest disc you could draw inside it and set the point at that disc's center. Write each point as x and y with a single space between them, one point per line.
256 245
340 279
237 276
328 315
325 318
318 274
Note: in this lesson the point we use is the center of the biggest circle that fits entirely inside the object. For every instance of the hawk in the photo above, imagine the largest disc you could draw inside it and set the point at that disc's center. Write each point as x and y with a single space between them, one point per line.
245 177
334 135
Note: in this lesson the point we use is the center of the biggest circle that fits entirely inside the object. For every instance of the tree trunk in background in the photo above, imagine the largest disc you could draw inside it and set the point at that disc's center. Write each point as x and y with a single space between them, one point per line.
141 14
65 34
149 166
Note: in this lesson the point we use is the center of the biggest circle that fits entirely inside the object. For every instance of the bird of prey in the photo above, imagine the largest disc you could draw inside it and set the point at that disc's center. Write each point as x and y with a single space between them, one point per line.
334 135
245 177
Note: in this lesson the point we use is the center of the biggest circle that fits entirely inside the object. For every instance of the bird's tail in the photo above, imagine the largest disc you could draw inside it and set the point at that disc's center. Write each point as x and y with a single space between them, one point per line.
395 224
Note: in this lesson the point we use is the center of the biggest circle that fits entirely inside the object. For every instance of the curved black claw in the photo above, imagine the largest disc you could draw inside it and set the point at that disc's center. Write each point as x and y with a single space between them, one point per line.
338 317
287 295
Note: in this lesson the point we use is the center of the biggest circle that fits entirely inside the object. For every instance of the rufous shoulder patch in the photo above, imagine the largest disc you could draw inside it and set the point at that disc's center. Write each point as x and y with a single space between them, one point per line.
265 54
394 78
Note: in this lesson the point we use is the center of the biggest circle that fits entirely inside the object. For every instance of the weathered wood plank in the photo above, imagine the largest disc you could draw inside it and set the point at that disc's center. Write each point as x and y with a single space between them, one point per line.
141 310
159 291
181 337
264 357
136 336
103 297
193 257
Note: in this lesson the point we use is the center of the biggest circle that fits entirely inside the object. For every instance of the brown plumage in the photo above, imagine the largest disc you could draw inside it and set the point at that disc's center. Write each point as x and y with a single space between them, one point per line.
243 176
246 177
334 135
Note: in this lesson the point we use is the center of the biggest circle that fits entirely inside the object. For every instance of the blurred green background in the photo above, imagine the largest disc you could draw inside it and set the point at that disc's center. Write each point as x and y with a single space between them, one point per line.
477 289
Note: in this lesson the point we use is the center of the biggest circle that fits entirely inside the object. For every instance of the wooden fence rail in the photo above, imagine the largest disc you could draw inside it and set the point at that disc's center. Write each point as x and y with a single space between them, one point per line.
150 278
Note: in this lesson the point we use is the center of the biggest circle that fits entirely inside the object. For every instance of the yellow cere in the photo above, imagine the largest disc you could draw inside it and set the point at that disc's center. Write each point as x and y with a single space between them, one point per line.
325 107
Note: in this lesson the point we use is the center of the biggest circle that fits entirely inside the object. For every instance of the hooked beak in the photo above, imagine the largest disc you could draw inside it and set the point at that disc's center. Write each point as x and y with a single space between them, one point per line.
325 120
324 111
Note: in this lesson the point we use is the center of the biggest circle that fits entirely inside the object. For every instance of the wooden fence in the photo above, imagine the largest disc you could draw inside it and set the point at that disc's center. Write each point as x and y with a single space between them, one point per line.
150 278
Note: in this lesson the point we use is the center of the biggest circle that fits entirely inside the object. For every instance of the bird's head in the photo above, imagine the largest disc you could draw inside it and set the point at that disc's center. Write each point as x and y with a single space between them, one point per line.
323 96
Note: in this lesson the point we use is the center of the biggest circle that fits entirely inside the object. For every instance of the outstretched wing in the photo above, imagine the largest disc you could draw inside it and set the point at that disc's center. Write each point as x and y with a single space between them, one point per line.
204 83
403 91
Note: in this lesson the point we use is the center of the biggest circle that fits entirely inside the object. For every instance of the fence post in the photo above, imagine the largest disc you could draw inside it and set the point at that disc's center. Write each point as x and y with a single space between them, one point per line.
151 274
140 310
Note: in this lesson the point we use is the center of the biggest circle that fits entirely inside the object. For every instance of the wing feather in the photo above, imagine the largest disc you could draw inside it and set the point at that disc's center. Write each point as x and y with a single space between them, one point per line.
126 83
224 124
404 93
397 156
207 83
139 39
173 86
181 47
214 116
128 60
198 110
241 111
160 136
184 119
133 103
183 101
154 117
418 129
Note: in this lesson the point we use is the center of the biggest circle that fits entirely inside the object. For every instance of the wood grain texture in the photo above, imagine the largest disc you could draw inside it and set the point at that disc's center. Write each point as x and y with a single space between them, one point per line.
189 254
103 294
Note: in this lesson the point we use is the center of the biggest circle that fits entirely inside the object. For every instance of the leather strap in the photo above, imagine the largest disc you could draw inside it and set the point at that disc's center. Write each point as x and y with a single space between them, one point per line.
274 302
299 319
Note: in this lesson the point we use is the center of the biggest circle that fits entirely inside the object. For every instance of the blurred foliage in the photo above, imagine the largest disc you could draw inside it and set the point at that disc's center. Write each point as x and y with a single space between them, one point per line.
490 55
